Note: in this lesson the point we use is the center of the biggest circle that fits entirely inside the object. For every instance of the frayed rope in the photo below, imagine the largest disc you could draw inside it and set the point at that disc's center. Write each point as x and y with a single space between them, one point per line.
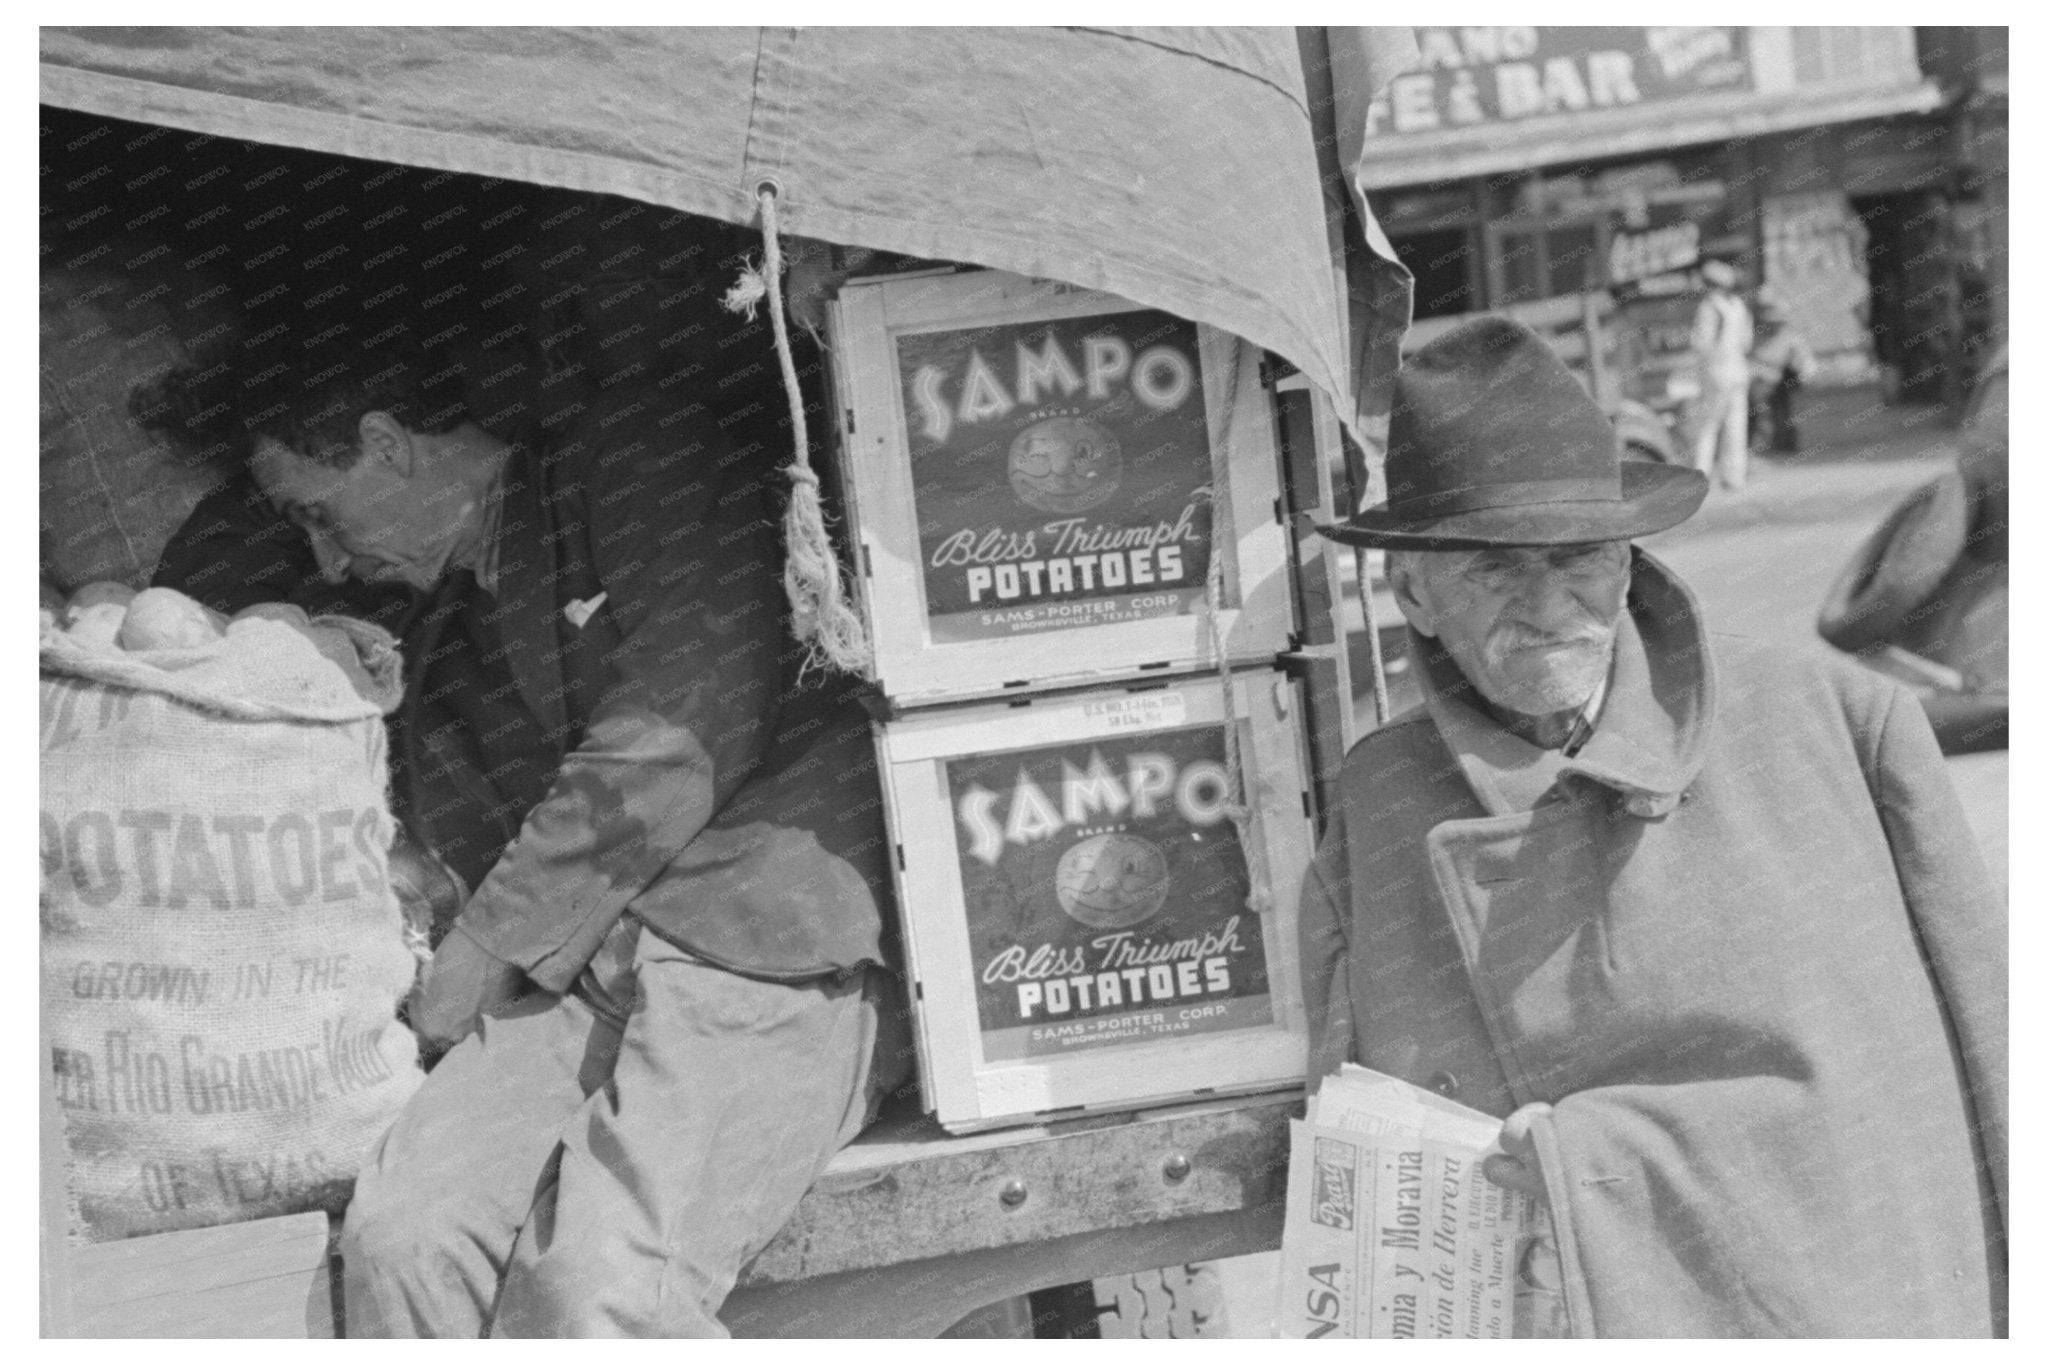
822 612
745 297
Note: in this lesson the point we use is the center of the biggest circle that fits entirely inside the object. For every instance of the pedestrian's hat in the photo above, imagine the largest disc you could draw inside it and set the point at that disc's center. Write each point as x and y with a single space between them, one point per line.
1493 442
1719 272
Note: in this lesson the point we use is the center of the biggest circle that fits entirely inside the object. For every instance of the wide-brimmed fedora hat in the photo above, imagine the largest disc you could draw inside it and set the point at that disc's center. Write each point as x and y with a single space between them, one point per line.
1492 442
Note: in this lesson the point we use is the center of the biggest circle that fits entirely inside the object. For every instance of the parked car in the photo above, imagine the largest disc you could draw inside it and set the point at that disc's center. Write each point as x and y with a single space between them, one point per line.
1925 598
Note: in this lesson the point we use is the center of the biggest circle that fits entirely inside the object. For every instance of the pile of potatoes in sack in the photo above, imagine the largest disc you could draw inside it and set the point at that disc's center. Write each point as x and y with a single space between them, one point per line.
223 952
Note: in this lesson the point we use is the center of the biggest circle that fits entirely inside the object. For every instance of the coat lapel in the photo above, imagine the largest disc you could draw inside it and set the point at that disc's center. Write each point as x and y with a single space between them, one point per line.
527 606
1652 739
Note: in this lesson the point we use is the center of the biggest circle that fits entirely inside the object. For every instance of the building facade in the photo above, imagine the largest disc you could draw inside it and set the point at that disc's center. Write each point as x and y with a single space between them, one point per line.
1855 175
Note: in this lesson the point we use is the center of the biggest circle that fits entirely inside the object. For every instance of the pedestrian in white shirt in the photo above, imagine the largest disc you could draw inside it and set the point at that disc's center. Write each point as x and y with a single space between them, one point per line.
1721 336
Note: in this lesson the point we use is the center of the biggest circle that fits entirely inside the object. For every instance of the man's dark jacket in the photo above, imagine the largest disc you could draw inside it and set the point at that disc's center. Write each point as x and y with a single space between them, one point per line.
618 727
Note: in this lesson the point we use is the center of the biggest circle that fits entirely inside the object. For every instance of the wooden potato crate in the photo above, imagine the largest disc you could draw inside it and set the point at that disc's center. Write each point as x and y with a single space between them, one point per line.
1087 925
1039 478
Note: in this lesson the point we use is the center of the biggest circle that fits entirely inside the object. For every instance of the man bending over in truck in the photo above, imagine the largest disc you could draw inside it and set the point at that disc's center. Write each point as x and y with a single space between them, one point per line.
664 995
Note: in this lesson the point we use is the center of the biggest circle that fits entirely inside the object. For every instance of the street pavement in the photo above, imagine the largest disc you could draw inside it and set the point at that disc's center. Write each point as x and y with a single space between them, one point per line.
1763 560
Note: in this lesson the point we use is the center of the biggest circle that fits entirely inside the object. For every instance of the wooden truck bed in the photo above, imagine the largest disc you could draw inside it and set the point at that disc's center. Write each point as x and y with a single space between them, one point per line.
907 1232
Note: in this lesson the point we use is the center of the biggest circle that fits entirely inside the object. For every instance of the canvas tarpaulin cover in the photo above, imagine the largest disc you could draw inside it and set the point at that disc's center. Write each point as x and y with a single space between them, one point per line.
1203 171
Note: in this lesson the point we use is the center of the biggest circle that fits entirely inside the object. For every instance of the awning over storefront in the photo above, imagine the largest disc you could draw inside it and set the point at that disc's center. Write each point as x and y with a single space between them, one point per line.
1590 137
1176 167
1487 100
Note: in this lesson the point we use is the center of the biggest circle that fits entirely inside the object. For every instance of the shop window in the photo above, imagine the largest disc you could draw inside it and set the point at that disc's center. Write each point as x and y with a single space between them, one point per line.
1442 265
1544 261
1573 252
1520 257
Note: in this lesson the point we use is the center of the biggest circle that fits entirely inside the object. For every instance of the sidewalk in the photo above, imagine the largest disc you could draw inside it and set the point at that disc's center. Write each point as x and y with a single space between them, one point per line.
1762 559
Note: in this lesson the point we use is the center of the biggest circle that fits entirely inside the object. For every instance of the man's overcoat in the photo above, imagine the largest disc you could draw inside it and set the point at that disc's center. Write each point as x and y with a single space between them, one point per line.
1743 942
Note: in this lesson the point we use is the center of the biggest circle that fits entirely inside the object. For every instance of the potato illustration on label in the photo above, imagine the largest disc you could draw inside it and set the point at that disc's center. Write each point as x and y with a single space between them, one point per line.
1065 464
1112 881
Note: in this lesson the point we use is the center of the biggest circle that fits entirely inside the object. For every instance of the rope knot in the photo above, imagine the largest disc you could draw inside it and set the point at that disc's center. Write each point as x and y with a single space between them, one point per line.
745 296
821 610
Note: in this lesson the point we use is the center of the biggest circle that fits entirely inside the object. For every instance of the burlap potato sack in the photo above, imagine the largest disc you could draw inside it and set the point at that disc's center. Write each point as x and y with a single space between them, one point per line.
221 949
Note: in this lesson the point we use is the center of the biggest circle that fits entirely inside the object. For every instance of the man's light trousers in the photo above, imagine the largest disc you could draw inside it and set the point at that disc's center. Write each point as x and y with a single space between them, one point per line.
605 1165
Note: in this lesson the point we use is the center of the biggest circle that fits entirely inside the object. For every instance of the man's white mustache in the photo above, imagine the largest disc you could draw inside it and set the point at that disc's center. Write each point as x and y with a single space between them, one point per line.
1512 638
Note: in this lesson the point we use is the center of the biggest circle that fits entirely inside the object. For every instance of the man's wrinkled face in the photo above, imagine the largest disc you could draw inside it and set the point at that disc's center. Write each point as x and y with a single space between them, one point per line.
1532 627
369 521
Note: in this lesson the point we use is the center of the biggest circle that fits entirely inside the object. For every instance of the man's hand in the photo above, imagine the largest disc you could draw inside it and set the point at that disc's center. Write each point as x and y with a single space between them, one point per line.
458 987
1539 1294
1514 1166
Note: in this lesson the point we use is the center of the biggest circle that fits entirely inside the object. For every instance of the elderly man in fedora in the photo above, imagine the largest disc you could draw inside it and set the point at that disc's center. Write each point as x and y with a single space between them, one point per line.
1701 918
